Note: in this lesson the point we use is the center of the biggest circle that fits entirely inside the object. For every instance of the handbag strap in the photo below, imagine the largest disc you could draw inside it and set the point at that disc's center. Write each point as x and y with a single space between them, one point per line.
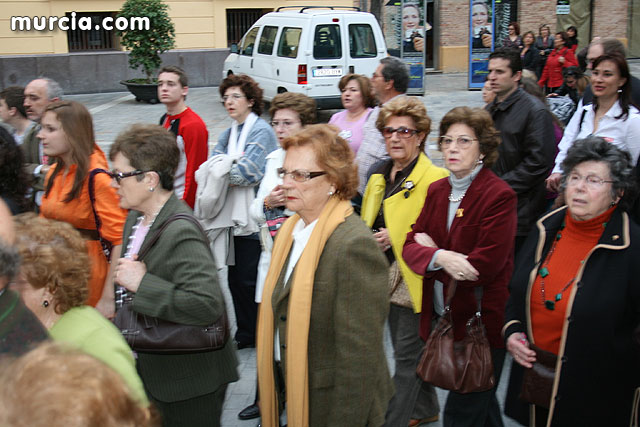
154 238
477 290
106 244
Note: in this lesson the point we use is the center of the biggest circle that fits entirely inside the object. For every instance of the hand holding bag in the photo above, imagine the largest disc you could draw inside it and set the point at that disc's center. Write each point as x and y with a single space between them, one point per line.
462 366
148 334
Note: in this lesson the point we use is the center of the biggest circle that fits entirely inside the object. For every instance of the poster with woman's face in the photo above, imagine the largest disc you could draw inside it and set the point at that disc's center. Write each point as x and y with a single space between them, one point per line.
481 37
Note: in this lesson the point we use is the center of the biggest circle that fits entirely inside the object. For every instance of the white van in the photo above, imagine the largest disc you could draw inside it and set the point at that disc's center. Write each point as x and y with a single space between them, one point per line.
308 51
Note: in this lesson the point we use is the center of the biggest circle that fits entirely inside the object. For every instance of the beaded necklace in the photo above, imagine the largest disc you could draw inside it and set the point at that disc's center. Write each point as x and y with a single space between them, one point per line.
544 272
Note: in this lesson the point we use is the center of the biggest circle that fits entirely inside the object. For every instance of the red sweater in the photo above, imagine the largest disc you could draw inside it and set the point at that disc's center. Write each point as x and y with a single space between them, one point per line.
577 239
552 73
193 138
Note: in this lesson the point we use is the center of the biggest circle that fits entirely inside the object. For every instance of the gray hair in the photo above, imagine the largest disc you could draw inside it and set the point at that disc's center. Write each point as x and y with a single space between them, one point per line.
54 90
597 149
396 70
9 262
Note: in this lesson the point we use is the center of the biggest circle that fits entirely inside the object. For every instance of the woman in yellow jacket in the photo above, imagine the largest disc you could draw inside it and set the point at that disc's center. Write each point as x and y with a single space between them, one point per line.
393 199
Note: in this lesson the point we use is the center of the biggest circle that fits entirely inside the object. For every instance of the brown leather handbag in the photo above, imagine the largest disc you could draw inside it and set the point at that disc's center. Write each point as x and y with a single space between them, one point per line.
148 334
462 366
537 381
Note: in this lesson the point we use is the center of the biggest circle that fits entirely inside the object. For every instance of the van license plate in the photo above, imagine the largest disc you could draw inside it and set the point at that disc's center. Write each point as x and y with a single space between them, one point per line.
327 72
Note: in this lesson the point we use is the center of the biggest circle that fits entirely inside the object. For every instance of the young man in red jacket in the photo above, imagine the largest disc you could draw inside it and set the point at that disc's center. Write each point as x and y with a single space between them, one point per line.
191 132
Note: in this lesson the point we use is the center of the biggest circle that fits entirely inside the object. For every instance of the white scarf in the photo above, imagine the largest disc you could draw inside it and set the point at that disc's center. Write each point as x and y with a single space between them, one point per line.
235 146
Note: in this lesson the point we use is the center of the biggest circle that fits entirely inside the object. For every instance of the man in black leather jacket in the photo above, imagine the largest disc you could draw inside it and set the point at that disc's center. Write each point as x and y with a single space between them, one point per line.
528 147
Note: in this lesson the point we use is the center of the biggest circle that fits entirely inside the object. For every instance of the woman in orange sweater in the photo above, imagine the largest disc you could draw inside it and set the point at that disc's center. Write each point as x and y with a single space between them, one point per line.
67 135
574 305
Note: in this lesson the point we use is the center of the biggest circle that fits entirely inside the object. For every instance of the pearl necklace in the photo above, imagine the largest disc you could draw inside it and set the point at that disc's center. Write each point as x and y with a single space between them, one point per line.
457 199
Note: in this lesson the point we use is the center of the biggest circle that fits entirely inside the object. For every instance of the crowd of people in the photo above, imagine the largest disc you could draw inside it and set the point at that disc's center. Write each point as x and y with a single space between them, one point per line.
111 272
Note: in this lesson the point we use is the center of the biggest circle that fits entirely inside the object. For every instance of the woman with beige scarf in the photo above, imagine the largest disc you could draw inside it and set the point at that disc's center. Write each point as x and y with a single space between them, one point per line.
325 301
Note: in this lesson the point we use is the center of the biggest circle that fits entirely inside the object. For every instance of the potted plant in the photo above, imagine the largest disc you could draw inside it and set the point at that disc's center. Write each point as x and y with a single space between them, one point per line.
146 44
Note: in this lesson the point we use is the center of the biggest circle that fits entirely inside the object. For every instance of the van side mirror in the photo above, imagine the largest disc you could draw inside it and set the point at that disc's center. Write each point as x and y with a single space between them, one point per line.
234 47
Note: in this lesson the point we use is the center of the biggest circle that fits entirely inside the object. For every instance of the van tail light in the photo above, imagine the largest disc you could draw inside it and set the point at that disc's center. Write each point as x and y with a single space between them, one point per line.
302 74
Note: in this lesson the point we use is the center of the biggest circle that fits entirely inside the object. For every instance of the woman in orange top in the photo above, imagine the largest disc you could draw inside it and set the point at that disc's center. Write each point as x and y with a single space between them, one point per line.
67 134
574 307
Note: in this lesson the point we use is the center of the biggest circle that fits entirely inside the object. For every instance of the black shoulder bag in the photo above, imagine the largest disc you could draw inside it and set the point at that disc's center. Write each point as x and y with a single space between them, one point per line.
148 334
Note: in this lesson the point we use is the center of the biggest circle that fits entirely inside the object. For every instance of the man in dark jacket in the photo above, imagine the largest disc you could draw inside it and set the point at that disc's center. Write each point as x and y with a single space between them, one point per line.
528 147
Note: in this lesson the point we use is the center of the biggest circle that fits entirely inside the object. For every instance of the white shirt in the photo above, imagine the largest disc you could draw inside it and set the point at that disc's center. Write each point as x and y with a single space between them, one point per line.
624 134
301 236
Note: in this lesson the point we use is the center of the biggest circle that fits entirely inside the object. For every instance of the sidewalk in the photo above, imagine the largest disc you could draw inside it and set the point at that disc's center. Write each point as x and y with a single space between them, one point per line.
113 112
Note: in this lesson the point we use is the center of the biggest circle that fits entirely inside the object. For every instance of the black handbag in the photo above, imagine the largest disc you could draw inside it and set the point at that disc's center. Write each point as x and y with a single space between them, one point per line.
537 381
148 334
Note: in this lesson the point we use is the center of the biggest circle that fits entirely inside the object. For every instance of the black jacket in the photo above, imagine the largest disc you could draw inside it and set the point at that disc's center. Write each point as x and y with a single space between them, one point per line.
531 60
599 360
527 152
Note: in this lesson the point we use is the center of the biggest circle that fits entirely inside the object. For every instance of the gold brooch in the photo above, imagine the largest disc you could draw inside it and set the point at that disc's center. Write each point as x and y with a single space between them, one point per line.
459 213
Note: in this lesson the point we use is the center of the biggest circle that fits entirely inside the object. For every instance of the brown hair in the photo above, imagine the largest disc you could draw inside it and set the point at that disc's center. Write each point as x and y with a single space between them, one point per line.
406 107
333 154
301 104
14 97
77 125
248 86
57 386
54 255
515 26
184 80
149 148
368 99
482 124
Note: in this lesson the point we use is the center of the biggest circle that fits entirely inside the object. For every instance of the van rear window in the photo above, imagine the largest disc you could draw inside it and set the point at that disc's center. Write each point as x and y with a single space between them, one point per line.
249 42
289 41
362 43
326 42
267 40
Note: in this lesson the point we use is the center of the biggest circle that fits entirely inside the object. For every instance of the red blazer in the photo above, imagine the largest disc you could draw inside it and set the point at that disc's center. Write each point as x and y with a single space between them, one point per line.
552 73
485 232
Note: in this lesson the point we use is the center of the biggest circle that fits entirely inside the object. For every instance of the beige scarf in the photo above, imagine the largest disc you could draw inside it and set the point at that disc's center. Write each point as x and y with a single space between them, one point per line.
297 381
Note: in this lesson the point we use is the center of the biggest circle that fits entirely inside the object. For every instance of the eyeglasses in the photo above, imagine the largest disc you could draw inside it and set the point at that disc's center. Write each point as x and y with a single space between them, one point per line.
234 96
462 141
594 182
283 123
299 175
119 176
376 76
403 132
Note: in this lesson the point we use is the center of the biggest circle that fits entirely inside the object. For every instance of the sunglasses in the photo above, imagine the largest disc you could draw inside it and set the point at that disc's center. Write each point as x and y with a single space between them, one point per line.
119 176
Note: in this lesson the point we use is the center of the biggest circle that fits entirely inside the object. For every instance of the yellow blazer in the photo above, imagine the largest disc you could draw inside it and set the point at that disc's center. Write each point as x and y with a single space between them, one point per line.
401 212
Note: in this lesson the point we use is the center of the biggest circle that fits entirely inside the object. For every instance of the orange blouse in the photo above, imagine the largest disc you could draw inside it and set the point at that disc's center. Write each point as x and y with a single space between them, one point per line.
577 239
79 213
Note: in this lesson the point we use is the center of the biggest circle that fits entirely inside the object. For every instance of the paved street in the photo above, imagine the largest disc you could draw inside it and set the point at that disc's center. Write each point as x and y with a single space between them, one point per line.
113 112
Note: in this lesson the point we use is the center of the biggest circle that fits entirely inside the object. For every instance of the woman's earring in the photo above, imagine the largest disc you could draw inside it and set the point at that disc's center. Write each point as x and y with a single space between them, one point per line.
45 303
152 189
480 161
620 90
330 193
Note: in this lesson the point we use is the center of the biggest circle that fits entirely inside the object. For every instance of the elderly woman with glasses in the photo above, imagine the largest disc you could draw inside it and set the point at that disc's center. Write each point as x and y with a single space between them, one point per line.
463 242
392 201
574 306
176 280
325 302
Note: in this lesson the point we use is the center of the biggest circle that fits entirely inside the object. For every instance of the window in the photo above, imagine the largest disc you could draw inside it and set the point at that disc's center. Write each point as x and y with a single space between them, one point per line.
289 41
326 42
267 40
239 21
88 40
249 42
362 43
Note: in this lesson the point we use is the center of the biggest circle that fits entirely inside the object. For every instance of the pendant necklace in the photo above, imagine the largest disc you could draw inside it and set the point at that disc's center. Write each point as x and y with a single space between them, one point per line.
550 304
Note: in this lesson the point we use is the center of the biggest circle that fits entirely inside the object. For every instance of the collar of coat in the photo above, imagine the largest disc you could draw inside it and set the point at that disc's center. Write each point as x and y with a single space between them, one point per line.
511 99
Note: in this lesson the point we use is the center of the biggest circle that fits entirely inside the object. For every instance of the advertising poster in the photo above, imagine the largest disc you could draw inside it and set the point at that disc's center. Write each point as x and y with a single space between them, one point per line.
406 32
481 40
505 12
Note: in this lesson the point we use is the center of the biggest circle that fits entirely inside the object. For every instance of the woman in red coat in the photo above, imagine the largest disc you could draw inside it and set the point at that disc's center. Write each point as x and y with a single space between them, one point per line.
466 232
561 57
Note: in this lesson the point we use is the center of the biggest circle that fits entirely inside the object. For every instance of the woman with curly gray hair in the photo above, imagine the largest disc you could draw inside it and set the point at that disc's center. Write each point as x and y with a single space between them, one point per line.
575 299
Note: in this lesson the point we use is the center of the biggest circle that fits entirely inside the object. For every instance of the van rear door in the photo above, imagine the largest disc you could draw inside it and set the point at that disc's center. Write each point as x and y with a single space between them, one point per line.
366 45
328 60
